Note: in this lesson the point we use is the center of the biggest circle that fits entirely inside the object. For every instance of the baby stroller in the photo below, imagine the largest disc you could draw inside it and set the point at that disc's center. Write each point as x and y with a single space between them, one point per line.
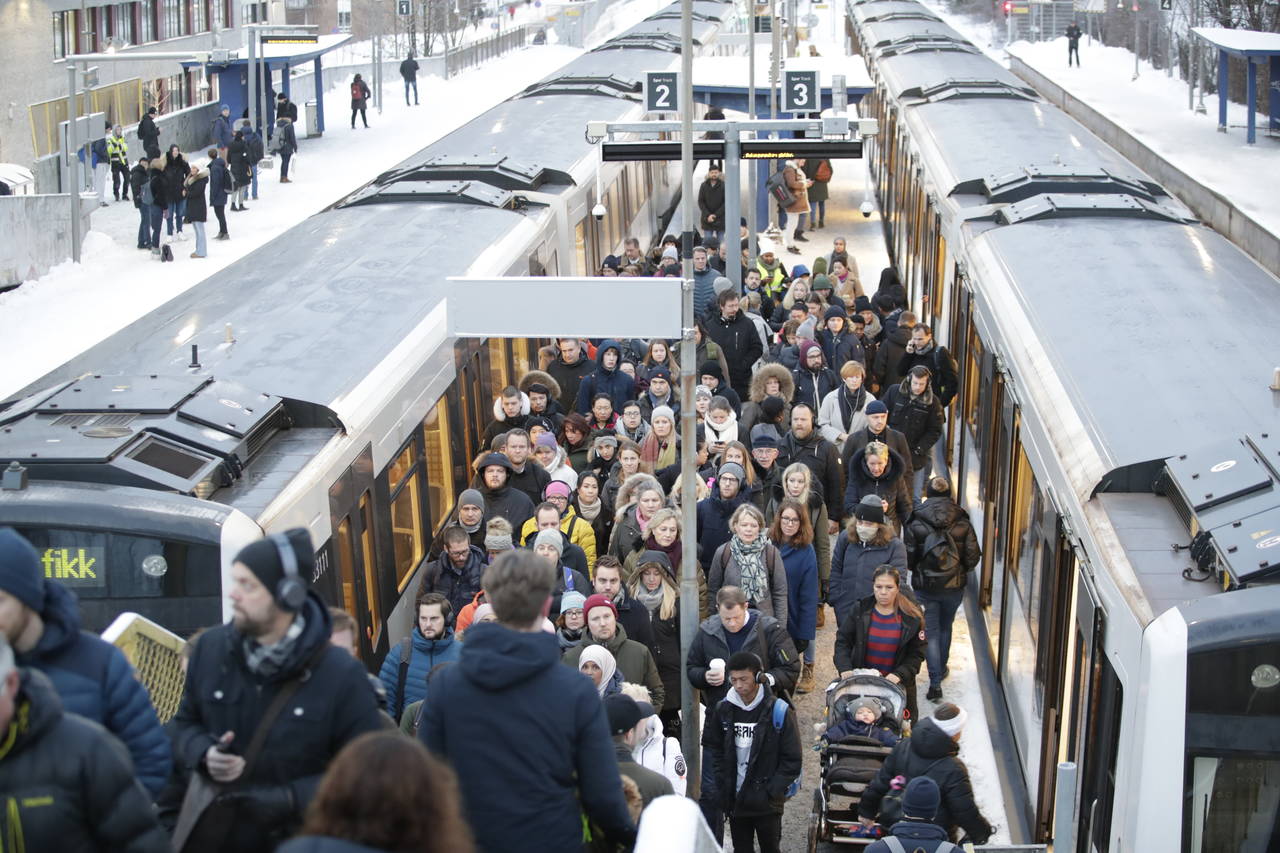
849 765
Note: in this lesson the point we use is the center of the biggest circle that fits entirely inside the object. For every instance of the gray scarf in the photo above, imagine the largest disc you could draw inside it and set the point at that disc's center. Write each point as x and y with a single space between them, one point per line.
590 511
268 661
750 560
651 600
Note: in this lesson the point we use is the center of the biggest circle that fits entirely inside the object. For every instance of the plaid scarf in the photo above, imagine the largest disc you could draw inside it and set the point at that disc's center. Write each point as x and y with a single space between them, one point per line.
268 661
750 560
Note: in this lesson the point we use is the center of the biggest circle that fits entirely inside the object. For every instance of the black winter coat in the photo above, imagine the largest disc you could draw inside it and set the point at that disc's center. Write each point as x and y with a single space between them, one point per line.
666 652
891 486
238 162
822 459
884 372
851 647
858 440
176 173
766 636
813 385
137 177
713 514
711 201
160 190
197 211
409 68
634 618
287 109
219 182
919 419
570 376
942 515
775 762
841 348
459 585
334 704
508 502
945 380
529 739
150 136
69 784
929 752
618 385
742 348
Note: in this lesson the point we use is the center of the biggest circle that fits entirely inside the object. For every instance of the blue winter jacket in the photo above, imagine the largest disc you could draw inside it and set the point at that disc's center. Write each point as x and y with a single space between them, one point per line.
914 835
219 182
713 524
529 740
619 386
95 680
424 656
852 565
222 133
802 591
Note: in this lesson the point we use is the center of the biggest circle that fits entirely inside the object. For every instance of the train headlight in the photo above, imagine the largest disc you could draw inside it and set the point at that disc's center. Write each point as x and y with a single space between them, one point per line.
1265 676
155 566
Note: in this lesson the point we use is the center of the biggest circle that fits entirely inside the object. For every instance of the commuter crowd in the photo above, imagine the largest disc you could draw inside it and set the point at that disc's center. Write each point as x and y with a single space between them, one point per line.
536 704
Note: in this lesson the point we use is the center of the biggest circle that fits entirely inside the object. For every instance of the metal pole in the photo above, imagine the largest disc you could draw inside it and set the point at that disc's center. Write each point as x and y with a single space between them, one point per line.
752 183
1064 824
732 205
689 615
775 80
1136 24
72 147
253 77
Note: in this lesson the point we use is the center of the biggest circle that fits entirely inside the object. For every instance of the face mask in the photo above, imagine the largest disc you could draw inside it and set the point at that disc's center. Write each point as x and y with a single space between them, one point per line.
866 532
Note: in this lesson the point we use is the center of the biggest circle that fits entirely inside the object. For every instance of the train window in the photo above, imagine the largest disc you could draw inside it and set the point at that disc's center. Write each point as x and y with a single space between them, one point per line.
1101 745
346 565
439 465
368 552
499 377
1233 803
939 271
523 359
407 541
580 246
1025 542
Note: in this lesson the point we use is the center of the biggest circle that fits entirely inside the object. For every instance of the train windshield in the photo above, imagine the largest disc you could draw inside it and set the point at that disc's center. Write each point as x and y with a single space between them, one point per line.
1234 804
176 584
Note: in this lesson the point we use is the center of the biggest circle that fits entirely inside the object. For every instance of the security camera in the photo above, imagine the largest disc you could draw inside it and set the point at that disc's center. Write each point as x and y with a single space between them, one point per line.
867 208
598 212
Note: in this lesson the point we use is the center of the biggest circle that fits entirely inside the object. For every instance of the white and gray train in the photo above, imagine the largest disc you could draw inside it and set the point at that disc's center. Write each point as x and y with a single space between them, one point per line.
1115 439
325 392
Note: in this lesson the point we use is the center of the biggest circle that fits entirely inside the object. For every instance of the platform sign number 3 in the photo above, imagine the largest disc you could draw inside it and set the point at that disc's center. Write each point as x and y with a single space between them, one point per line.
660 92
800 92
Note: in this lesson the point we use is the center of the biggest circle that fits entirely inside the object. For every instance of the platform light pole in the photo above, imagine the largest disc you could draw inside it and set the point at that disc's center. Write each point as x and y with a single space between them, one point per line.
690 737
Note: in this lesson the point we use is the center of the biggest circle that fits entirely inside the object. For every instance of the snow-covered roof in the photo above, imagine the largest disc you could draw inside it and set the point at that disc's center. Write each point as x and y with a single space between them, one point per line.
1243 42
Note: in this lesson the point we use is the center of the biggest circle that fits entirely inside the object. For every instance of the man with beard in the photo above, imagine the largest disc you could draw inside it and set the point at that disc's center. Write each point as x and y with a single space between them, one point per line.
272 666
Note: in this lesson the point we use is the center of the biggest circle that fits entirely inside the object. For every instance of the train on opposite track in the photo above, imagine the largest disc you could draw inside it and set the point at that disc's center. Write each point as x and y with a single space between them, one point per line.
1114 439
313 382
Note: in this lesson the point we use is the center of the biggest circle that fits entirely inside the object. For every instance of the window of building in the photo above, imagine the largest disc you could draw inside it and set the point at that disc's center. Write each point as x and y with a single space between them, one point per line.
64 34
146 20
200 16
253 13
176 19
122 22
344 16
219 14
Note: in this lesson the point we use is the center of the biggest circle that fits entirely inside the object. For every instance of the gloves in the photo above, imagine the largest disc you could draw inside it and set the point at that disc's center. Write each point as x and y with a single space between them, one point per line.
266 806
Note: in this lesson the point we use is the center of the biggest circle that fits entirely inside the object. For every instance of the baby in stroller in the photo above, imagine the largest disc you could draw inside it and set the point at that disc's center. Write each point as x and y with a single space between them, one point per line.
864 717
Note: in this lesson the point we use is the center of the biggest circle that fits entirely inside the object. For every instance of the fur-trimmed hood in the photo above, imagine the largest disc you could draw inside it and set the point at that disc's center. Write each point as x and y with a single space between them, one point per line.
786 385
538 376
629 492
500 415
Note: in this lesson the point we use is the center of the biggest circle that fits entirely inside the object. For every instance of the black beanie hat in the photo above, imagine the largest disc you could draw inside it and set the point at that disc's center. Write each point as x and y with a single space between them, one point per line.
263 559
20 572
772 407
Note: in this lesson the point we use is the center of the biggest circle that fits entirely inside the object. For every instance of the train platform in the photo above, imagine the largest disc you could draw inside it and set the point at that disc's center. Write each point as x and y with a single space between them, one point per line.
1228 183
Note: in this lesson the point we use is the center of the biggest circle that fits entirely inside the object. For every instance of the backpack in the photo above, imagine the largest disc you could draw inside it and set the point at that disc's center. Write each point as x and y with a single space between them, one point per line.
891 802
148 197
402 675
777 188
779 719
255 149
166 253
895 846
357 92
823 172
940 566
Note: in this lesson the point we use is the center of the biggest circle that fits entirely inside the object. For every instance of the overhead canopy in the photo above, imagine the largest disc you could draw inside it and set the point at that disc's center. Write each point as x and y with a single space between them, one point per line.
1251 46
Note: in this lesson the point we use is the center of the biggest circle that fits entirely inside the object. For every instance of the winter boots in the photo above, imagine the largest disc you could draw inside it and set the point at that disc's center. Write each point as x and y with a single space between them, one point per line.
806 682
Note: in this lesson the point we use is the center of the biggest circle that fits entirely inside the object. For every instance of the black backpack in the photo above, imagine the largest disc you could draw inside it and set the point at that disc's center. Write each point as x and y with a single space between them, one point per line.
166 253
778 189
402 675
940 567
891 802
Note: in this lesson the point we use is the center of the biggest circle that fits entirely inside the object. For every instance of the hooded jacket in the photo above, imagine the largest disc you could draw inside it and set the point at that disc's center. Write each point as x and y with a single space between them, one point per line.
424 654
840 347
739 733
137 177
197 211
918 418
501 423
713 514
945 379
943 515
891 486
854 562
554 411
914 835
459 585
506 500
813 385
930 752
762 634
851 647
94 680
334 704
662 754
510 704
619 386
634 660
752 413
68 783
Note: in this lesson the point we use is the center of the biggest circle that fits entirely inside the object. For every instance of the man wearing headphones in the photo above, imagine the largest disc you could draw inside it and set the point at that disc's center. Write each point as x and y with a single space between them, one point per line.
756 753
407 666
268 702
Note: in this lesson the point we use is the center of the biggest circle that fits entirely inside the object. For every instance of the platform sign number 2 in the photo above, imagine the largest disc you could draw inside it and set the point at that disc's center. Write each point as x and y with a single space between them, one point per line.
660 92
800 92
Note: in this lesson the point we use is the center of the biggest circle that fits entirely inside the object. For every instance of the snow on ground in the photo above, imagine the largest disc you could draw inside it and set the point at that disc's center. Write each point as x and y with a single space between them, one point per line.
1154 109
355 52
74 306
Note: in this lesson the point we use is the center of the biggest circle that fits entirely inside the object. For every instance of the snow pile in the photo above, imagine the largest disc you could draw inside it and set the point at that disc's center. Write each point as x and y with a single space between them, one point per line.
1154 109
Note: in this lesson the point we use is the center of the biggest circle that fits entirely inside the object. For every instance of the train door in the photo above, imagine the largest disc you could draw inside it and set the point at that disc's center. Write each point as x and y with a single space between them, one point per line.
1097 699
355 551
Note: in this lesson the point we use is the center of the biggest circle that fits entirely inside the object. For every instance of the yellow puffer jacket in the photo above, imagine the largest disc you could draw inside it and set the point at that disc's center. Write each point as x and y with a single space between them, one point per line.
577 529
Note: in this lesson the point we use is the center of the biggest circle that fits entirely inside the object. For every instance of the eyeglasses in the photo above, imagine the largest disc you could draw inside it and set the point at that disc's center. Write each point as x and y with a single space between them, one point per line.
790 519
